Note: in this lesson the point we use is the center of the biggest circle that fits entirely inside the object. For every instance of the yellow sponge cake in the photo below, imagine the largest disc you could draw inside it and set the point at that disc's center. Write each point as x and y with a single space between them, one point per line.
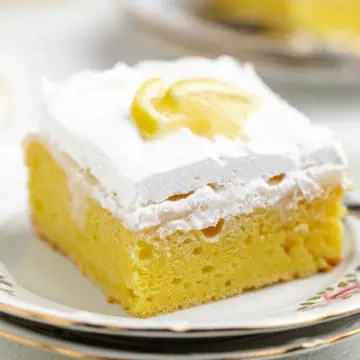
332 23
172 184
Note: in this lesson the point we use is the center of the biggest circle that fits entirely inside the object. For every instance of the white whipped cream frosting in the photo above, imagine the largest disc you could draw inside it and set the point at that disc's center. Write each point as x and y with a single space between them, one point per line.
87 117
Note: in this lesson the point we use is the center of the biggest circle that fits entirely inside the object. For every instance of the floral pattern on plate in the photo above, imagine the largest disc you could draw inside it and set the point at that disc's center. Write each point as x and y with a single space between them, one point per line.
348 286
6 285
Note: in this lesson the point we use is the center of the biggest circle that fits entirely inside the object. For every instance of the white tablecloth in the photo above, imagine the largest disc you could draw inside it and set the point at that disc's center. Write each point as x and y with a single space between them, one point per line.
98 38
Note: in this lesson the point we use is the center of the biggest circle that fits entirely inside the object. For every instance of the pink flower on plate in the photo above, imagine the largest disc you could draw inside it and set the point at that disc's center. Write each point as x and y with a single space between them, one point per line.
342 293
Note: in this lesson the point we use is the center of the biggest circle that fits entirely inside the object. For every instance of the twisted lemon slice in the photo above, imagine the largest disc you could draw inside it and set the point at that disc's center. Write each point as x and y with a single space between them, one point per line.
207 107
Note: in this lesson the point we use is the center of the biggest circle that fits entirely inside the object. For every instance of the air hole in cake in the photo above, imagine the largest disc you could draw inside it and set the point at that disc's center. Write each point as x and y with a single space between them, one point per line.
301 202
176 281
212 231
228 283
207 269
131 293
146 251
197 250
178 197
277 179
287 248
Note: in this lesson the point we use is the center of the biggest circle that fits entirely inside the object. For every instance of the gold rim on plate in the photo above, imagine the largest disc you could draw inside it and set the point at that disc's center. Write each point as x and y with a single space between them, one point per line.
255 354
81 326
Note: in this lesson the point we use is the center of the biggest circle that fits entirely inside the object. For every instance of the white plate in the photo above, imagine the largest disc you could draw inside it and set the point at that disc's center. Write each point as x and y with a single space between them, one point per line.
271 346
38 284
275 57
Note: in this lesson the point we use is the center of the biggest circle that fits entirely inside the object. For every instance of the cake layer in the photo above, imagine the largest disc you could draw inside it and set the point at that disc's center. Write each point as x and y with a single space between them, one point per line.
335 21
148 274
265 13
88 117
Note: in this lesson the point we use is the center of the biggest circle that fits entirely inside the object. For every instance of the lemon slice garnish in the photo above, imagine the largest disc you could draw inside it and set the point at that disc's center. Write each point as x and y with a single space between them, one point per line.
207 107
143 110
154 115
215 107
198 85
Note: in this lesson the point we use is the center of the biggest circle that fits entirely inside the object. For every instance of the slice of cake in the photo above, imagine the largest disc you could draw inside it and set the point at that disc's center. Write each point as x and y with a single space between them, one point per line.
172 184
335 22
267 14
332 24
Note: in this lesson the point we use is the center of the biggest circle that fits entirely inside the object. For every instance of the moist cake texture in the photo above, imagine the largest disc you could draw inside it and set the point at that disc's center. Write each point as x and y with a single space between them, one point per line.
177 221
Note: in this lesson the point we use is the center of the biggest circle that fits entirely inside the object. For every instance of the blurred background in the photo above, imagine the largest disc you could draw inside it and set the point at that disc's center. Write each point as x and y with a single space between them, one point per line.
307 50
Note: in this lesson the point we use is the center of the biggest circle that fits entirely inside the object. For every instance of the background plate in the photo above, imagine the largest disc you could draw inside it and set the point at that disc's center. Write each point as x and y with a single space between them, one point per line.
275 56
